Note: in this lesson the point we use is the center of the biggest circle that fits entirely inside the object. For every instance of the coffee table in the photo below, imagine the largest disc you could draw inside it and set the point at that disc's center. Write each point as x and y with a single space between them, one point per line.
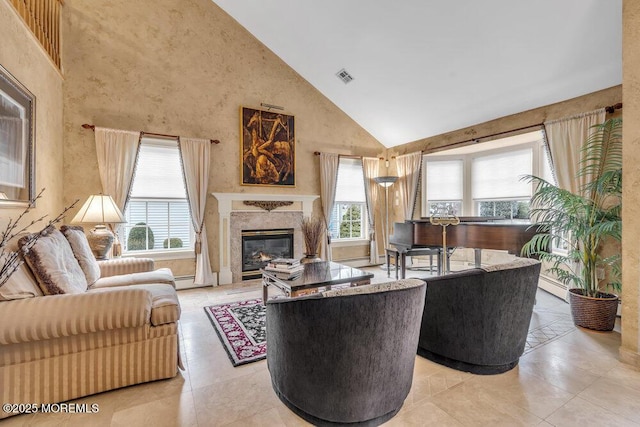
316 276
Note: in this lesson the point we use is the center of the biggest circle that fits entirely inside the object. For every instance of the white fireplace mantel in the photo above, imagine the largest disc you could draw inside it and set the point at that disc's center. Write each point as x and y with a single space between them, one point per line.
303 203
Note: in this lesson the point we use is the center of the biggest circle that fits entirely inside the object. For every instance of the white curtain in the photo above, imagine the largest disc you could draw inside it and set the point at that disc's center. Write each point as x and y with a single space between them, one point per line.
328 179
117 152
370 169
194 154
408 167
565 138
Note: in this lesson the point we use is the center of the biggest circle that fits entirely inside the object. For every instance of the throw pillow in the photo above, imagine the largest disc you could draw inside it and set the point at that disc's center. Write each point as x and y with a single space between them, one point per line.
81 250
21 284
52 262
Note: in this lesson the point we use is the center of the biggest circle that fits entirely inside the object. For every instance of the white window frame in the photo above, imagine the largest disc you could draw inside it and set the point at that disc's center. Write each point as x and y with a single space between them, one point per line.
161 254
506 199
466 186
364 227
177 253
535 170
425 201
352 241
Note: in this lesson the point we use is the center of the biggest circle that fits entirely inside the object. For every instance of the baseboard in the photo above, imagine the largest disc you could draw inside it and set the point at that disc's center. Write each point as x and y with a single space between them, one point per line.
186 282
629 357
553 286
356 263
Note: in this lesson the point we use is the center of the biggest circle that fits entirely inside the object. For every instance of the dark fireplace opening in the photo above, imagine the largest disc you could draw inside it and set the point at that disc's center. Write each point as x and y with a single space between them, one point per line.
261 246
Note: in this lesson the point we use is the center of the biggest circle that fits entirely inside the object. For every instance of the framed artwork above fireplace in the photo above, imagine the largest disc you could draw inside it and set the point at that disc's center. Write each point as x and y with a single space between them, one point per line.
267 148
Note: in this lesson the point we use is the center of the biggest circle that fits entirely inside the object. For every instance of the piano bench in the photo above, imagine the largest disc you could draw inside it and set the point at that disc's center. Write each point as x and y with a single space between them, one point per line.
415 252
395 253
420 252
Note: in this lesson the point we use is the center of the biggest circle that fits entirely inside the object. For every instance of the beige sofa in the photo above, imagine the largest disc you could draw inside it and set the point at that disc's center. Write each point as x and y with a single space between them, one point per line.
121 329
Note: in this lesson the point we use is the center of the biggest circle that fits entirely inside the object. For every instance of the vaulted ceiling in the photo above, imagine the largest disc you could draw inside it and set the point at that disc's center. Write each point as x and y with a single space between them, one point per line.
425 67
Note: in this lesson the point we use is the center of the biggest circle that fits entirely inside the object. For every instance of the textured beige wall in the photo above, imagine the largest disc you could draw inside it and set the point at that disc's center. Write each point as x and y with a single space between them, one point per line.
185 68
179 267
21 54
631 182
347 253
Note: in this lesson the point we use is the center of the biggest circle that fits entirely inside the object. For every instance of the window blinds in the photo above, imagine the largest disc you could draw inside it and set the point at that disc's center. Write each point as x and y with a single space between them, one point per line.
444 180
498 176
350 185
159 171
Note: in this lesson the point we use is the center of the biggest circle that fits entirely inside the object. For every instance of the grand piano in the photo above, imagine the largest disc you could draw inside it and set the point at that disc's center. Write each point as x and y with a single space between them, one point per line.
472 232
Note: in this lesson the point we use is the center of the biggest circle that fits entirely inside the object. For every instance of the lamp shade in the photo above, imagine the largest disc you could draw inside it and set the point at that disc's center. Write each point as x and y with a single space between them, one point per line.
386 181
99 209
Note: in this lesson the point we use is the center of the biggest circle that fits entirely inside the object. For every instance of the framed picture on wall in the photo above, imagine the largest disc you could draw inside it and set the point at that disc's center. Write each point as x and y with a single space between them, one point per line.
17 120
267 148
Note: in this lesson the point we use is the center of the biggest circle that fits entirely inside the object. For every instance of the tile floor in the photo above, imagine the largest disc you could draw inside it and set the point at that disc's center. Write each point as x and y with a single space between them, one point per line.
567 377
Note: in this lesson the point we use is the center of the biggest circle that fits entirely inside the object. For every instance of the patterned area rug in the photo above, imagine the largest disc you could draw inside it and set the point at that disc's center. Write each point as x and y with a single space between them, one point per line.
241 328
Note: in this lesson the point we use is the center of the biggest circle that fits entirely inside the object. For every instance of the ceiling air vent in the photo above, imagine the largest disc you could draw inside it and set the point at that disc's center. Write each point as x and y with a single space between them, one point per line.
344 76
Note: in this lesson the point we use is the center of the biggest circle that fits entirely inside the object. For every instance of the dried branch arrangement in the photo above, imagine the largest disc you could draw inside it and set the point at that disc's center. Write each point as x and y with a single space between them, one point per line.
10 261
312 228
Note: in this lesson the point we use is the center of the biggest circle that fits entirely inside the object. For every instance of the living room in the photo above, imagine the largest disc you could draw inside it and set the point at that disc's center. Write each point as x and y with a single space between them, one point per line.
186 68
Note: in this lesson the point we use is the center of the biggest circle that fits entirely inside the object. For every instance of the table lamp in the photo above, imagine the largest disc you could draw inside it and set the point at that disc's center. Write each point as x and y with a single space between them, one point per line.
99 209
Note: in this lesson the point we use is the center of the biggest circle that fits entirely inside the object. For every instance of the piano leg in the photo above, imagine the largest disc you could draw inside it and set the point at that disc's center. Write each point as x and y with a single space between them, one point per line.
395 253
478 257
388 257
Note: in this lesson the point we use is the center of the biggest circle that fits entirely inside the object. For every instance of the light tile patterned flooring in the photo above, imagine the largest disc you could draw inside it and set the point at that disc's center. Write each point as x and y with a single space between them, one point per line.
543 334
567 377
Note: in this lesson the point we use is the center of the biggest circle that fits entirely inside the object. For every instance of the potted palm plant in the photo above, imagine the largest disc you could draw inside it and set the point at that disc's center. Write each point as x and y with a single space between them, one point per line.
584 222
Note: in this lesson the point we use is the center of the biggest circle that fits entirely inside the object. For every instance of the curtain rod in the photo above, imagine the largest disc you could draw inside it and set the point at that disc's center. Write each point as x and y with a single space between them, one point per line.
609 109
478 138
613 107
93 128
348 156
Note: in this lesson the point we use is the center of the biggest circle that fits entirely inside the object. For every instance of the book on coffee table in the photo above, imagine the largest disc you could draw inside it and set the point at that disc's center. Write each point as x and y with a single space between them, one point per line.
288 275
289 269
284 263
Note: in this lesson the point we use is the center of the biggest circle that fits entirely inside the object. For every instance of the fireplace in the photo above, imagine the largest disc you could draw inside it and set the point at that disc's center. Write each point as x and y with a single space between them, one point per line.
235 216
261 246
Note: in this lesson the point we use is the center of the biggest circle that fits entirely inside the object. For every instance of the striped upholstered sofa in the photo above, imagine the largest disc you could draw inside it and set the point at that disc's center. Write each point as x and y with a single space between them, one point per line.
59 341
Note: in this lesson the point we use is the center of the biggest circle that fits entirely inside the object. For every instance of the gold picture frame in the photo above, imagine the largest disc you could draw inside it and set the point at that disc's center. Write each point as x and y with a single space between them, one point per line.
267 148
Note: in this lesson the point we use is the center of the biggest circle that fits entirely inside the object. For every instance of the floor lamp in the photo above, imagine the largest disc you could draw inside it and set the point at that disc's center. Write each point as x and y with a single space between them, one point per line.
386 182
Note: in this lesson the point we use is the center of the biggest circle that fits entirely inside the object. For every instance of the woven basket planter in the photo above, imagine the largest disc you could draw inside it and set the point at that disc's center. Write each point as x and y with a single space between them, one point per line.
598 314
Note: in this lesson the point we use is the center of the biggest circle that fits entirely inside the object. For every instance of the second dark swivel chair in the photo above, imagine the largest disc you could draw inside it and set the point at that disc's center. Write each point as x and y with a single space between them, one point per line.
477 320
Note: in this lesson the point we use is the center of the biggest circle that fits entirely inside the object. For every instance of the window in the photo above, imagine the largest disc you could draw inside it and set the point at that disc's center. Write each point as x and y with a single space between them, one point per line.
505 209
158 217
349 216
497 187
560 245
485 179
444 180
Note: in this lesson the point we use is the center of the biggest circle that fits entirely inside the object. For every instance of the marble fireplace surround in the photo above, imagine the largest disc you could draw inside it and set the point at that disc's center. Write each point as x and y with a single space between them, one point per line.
235 216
